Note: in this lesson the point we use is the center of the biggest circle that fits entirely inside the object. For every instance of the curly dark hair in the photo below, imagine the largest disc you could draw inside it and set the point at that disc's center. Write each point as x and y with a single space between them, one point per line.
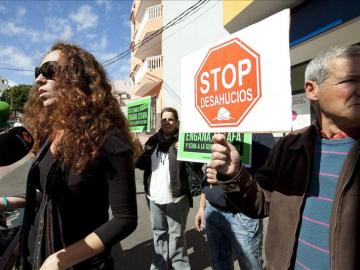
85 109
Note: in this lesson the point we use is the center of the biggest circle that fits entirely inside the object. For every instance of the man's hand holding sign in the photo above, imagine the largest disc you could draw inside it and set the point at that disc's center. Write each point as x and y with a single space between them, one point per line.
225 159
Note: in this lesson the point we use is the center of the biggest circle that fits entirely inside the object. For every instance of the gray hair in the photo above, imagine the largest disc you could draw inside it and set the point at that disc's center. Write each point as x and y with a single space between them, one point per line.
317 70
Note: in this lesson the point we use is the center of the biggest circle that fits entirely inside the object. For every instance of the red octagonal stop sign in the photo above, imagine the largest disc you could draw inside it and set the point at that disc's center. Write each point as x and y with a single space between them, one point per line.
228 84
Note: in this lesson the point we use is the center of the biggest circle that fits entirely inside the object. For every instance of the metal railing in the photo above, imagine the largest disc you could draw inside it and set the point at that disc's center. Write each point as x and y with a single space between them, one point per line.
150 13
150 63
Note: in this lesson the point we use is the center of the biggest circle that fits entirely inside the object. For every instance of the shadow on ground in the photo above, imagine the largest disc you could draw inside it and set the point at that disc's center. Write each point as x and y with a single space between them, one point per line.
139 257
199 258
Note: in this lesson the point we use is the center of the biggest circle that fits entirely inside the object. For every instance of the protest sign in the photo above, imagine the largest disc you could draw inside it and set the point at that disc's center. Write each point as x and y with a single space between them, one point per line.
138 114
197 146
240 83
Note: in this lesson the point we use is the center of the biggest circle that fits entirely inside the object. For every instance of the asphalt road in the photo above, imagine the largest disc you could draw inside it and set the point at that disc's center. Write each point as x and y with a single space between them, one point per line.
13 177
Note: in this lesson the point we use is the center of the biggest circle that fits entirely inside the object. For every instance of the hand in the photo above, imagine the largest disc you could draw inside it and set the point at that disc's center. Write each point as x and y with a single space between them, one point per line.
51 263
224 158
177 145
211 176
200 219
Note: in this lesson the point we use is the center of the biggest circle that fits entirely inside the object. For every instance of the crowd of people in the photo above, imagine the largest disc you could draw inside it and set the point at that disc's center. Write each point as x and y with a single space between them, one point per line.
307 183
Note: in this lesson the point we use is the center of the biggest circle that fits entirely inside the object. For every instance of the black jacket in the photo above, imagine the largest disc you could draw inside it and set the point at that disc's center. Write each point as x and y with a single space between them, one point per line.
278 190
75 205
178 176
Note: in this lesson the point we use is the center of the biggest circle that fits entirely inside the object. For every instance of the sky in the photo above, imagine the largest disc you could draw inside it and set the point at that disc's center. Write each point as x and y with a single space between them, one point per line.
28 29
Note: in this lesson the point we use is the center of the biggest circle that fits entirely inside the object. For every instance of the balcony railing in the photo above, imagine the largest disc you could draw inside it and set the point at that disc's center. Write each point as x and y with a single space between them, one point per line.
150 14
150 63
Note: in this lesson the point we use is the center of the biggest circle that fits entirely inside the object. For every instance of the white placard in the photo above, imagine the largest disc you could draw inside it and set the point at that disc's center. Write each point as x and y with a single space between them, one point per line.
240 83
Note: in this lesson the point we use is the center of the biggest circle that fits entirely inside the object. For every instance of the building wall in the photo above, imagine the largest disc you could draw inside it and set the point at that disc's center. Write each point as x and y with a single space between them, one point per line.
121 90
231 9
146 59
196 31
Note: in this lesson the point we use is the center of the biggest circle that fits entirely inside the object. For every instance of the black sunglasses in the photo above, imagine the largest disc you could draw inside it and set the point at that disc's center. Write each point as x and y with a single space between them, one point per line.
48 70
167 119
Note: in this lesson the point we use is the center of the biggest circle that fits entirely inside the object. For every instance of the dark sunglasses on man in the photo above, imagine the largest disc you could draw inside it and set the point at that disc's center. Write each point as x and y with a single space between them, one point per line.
48 70
167 119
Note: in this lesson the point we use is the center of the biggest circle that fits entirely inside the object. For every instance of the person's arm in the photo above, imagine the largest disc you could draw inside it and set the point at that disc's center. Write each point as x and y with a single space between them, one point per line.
118 166
138 148
144 160
86 248
140 162
10 203
200 215
122 198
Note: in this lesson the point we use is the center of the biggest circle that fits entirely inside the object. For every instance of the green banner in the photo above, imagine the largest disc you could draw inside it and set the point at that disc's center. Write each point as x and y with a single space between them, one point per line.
139 114
197 146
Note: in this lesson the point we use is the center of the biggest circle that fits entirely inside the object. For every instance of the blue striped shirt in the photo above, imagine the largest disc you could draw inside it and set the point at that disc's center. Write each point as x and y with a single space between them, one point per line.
313 241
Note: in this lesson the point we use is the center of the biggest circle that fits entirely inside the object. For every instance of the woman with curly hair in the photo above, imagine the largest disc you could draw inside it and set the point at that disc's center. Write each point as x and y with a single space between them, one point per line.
83 164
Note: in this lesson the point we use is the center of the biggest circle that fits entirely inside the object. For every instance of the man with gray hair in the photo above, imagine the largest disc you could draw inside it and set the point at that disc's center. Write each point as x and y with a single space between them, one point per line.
310 184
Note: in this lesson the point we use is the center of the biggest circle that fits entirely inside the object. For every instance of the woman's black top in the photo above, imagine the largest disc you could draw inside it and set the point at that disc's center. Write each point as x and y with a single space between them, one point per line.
75 205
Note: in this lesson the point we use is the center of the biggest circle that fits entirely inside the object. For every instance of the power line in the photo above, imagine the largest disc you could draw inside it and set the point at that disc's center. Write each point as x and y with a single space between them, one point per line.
174 32
17 69
172 91
188 12
17 40
172 23
191 10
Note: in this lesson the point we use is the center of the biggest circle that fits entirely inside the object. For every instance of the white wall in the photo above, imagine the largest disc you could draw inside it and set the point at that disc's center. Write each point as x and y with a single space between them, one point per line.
196 31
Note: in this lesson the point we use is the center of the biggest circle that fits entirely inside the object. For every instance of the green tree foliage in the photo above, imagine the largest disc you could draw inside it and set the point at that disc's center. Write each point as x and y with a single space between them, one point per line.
16 96
4 113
